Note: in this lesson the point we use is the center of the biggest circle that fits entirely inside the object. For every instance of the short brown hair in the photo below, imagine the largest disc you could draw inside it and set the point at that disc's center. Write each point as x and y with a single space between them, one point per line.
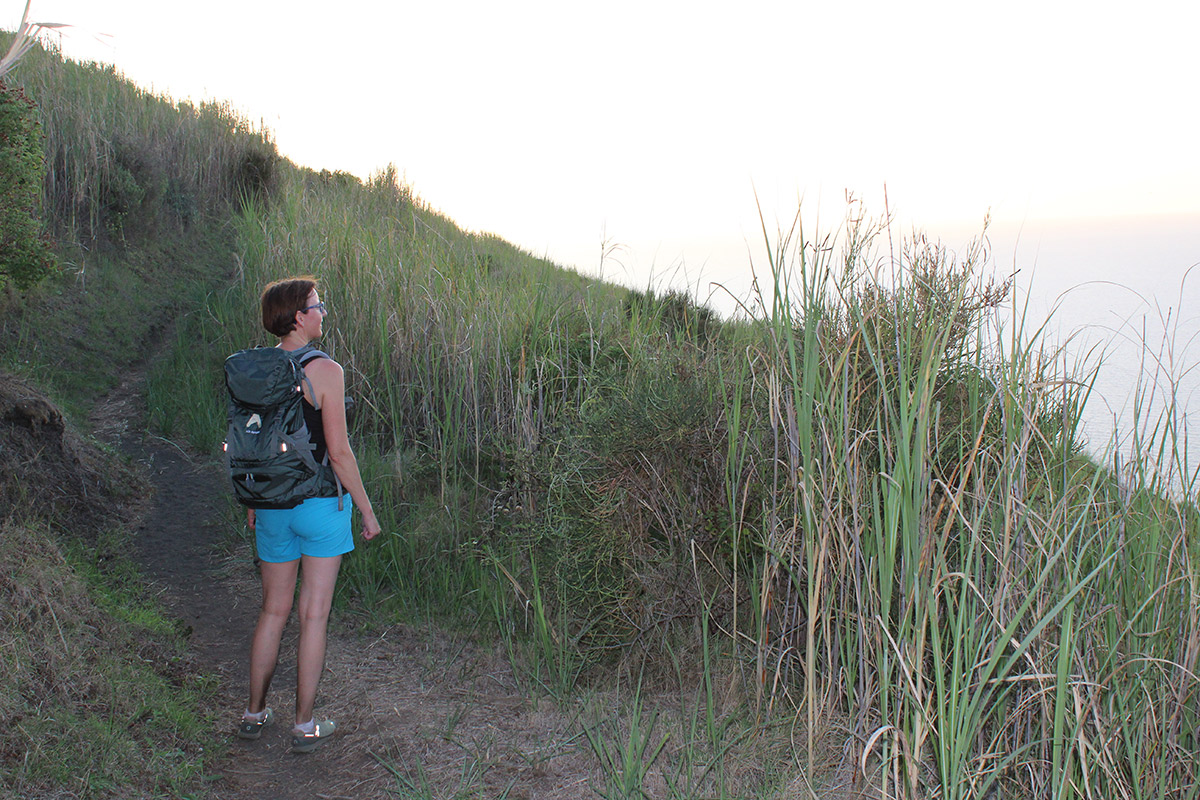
282 299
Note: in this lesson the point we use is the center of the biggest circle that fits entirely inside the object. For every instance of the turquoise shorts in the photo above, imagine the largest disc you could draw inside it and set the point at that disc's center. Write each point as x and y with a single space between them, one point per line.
313 528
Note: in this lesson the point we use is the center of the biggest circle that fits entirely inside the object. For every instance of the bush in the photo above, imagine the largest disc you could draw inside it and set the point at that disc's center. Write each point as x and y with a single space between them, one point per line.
674 312
255 171
25 254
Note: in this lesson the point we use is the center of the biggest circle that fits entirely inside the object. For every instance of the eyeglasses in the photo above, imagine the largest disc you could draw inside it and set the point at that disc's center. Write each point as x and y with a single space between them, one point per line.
319 307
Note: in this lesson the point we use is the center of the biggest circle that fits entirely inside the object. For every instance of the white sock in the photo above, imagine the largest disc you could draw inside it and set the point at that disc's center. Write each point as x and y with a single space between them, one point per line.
259 717
307 727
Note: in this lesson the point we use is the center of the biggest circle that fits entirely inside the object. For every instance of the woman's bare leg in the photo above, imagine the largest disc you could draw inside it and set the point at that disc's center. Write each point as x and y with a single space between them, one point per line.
316 595
278 589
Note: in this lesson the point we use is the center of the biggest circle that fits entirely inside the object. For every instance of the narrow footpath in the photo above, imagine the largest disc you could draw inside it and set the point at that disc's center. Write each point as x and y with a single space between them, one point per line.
420 713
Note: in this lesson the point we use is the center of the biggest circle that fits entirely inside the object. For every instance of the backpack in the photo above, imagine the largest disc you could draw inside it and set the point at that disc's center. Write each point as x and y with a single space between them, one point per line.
268 447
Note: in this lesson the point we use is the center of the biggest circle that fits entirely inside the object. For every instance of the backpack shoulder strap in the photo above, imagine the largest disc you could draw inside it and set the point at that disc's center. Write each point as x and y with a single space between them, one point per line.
303 356
307 354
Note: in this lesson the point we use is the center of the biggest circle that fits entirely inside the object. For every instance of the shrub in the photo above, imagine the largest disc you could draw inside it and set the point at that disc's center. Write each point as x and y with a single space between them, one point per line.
675 313
255 171
123 190
25 254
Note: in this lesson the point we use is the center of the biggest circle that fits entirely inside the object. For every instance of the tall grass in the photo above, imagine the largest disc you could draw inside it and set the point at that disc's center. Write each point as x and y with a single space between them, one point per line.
120 158
872 490
943 571
136 193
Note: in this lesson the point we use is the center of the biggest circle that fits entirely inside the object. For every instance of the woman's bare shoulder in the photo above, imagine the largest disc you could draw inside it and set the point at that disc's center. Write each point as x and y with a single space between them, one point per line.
323 368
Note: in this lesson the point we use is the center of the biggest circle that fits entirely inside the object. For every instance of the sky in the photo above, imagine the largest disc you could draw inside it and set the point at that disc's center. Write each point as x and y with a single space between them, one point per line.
662 130
662 126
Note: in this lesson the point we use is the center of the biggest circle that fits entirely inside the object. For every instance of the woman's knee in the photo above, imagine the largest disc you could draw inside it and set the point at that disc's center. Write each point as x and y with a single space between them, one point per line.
277 607
314 609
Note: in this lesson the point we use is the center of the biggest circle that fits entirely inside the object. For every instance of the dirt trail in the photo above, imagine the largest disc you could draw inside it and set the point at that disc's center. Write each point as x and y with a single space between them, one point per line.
420 714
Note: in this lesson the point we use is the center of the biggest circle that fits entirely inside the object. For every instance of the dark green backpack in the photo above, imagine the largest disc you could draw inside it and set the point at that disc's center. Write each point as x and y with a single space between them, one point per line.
268 448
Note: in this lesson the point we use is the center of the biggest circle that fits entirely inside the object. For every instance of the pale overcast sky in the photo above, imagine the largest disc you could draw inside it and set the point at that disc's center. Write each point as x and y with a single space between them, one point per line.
655 124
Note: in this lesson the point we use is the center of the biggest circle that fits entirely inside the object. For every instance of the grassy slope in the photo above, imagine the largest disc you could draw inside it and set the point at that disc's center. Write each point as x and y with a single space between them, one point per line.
867 506
873 493
97 698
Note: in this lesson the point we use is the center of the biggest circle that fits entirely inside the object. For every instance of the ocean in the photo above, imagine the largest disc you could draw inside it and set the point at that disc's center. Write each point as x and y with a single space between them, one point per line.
1122 298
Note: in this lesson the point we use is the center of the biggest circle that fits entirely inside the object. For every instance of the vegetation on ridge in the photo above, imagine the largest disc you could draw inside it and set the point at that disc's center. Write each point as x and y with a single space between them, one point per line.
862 511
136 195
97 696
869 499
25 255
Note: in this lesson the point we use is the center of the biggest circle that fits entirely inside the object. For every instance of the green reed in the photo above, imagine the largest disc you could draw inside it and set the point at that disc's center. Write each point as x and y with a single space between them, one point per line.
941 567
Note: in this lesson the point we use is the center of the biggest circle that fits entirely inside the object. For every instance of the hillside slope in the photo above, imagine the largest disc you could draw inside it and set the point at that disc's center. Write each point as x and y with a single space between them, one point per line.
853 537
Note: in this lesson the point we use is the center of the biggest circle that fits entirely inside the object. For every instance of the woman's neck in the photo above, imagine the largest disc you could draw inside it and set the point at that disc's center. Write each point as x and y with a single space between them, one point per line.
293 341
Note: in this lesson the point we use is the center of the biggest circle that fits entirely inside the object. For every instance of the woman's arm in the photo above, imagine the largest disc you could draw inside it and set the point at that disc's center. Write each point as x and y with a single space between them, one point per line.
329 385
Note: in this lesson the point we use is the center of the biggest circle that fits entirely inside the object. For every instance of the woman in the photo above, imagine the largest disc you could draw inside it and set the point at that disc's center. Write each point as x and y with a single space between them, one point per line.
314 535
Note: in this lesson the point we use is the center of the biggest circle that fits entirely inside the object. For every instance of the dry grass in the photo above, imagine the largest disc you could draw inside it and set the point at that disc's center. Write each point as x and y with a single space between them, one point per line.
95 700
48 470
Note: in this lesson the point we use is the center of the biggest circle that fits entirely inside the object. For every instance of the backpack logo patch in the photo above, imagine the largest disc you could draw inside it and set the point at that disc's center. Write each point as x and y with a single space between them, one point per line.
255 421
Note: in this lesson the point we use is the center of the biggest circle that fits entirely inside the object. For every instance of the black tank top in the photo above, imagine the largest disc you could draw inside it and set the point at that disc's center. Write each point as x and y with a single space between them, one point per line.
316 430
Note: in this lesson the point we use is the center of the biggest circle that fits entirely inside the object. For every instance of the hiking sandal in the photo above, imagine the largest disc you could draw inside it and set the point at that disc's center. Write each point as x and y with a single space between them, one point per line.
307 742
252 728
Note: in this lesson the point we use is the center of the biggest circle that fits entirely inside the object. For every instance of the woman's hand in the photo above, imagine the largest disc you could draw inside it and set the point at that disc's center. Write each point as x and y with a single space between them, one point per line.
370 525
250 518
